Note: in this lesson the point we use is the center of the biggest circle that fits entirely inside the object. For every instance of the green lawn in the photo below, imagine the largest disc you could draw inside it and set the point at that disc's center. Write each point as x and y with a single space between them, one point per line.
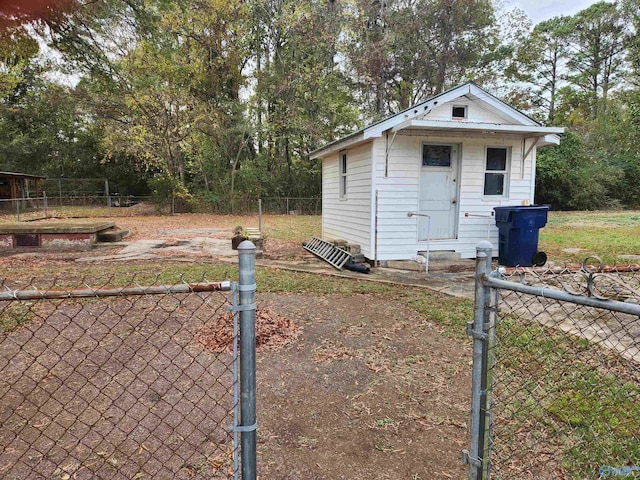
607 234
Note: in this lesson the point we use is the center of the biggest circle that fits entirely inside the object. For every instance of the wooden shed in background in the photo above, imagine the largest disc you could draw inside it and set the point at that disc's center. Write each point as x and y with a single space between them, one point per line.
15 186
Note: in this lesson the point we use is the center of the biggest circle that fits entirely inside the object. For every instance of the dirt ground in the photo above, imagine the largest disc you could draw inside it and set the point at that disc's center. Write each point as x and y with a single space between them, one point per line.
367 389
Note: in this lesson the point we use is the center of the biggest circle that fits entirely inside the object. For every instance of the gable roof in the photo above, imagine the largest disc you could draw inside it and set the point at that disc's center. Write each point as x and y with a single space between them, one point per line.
413 116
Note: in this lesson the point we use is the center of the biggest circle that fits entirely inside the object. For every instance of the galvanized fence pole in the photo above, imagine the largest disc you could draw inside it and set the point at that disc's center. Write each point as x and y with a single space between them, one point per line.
247 307
488 360
236 376
476 329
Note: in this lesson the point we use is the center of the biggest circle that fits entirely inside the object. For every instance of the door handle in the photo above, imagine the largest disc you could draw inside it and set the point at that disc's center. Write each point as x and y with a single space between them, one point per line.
454 201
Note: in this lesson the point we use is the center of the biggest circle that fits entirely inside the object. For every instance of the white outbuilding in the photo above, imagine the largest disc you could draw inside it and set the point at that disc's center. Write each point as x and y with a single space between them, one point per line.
428 178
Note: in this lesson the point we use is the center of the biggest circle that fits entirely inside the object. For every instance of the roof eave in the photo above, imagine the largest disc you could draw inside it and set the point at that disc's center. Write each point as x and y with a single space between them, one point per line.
340 144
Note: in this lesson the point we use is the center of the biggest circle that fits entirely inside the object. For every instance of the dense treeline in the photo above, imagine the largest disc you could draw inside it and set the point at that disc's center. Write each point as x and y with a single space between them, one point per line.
211 98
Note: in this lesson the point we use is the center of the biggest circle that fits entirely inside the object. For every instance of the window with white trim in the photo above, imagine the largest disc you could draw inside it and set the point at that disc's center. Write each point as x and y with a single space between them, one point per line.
495 172
343 174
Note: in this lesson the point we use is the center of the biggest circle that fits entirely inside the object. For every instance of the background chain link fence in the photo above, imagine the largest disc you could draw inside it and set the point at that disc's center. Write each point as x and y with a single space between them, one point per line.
100 381
562 374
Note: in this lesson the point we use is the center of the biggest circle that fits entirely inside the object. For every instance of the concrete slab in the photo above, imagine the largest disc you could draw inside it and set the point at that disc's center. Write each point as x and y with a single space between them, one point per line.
574 250
630 257
197 231
156 249
54 227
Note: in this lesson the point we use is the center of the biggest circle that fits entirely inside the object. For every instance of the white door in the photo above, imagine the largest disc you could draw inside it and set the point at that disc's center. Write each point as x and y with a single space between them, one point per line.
438 192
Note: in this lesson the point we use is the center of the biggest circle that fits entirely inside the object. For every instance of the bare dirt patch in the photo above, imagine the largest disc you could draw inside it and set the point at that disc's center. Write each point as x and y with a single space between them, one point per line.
113 389
368 391
365 388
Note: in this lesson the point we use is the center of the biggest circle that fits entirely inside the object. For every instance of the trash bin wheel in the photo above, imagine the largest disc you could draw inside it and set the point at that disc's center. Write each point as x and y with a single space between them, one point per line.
539 259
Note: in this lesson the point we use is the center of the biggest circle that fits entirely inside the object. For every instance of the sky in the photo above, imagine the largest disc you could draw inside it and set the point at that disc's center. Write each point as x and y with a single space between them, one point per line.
539 10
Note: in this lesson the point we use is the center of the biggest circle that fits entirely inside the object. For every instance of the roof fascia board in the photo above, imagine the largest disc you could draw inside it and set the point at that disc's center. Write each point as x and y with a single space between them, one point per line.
337 146
469 126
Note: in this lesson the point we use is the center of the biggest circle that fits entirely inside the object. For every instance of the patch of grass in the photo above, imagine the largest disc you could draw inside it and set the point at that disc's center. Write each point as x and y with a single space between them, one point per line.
13 315
605 234
569 394
451 313
293 228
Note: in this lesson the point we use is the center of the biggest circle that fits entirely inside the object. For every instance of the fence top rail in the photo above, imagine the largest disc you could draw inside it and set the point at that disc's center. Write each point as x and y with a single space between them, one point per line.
547 292
53 294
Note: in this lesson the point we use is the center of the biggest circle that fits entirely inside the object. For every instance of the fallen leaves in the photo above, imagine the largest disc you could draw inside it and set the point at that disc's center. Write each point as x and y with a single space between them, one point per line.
273 331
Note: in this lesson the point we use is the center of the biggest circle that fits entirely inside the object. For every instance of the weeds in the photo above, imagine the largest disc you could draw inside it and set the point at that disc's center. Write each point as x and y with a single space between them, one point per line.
563 395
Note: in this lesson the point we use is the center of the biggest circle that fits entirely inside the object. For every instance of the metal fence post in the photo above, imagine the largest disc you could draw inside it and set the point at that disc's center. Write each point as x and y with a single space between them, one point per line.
476 329
247 307
260 214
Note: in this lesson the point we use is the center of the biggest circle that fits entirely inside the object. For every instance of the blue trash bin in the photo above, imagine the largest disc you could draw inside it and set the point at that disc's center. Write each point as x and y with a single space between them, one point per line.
518 229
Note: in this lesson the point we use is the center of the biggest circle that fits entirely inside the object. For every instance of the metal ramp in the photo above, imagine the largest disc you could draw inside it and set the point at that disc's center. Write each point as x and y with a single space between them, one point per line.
327 252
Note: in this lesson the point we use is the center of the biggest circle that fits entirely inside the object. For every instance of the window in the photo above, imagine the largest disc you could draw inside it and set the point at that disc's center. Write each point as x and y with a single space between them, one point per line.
436 155
343 174
495 174
459 111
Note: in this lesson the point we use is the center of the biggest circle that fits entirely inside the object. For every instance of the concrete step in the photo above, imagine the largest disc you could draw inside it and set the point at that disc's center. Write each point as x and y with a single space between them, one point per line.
441 255
112 235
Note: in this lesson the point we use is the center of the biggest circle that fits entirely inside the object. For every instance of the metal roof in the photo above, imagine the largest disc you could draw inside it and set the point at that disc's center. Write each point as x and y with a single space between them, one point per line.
20 175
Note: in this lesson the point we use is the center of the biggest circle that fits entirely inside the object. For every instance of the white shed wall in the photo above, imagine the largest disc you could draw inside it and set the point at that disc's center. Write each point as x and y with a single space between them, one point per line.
476 112
348 218
398 193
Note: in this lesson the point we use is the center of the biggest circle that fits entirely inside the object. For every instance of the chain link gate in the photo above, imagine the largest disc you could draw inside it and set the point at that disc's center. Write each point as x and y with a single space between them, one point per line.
130 382
556 372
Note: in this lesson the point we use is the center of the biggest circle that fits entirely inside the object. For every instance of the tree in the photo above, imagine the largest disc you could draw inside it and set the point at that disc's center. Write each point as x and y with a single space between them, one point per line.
402 51
569 177
157 73
540 61
301 97
598 40
17 53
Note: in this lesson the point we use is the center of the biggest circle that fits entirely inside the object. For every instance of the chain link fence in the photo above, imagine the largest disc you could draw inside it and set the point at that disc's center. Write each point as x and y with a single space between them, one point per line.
103 381
41 207
556 384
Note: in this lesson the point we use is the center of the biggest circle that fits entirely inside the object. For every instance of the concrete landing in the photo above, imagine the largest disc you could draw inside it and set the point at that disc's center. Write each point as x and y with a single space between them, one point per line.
54 227
51 235
112 235
441 255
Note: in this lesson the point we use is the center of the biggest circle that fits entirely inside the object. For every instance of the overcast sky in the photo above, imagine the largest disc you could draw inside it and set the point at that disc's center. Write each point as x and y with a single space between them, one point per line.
539 10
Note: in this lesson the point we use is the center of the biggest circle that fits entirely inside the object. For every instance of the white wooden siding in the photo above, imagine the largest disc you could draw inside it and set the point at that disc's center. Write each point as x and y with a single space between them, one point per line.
354 217
348 218
476 113
398 194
